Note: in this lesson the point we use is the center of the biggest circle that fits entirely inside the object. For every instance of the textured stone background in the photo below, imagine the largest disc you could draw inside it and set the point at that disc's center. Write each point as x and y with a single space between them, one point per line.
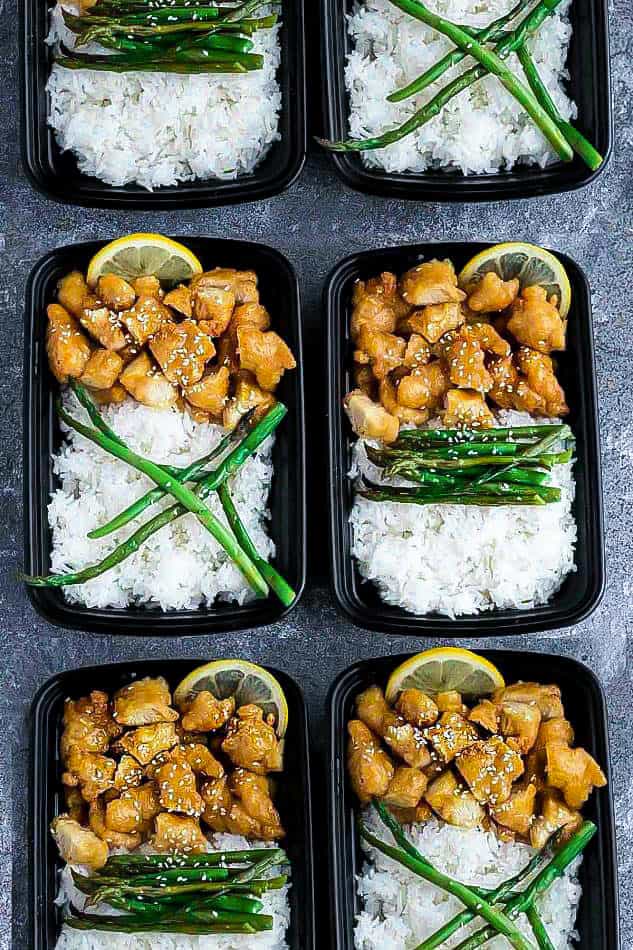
315 224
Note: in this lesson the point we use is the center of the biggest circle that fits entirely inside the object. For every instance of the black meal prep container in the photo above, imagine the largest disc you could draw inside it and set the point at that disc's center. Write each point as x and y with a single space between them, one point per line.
589 86
280 292
57 175
585 707
581 592
46 800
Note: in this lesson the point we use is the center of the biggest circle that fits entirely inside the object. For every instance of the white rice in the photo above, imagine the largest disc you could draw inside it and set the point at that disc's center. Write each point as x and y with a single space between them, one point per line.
483 129
158 129
400 909
181 566
455 559
275 903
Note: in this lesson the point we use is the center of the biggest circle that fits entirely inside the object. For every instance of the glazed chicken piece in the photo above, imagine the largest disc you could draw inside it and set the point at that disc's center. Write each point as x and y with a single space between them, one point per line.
487 337
223 813
436 320
554 731
212 306
182 351
145 318
365 380
547 698
205 713
555 815
88 724
145 742
425 387
67 348
451 735
370 768
505 382
492 294
146 383
388 395
405 740
517 813
78 845
115 292
102 369
536 322
251 743
264 354
519 724
114 839
384 352
133 811
148 286
198 758
417 708
376 305
179 299
453 802
417 352
144 702
92 772
466 364
253 791
177 833
430 283
129 773
406 788
247 395
249 315
369 419
574 772
75 804
71 291
539 372
451 701
102 323
489 767
466 409
104 397
411 816
177 790
486 715
242 283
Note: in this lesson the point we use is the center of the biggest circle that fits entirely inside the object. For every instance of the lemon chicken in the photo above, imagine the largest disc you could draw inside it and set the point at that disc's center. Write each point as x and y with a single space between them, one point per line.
506 762
425 347
138 769
207 346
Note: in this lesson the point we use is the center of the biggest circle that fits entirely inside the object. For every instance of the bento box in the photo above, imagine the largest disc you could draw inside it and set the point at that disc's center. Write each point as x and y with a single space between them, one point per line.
597 920
278 285
582 590
46 723
589 85
56 174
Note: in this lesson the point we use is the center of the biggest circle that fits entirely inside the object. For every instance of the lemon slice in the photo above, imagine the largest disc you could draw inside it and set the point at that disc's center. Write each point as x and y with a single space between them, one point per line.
531 264
445 668
144 255
247 682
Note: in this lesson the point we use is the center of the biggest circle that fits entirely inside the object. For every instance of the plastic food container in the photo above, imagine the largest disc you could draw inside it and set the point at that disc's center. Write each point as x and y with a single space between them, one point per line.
57 175
583 697
581 592
280 292
293 797
589 86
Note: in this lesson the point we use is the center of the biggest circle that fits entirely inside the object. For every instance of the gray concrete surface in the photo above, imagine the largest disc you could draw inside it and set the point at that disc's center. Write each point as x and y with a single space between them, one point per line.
316 223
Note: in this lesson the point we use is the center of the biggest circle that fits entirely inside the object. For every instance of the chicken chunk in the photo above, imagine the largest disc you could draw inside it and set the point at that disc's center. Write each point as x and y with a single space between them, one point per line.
76 805
249 315
384 352
251 743
388 396
417 352
247 395
242 283
369 419
486 715
92 772
365 380
102 369
129 773
264 354
179 299
487 337
558 731
425 387
492 294
541 378
430 283
436 319
182 351
213 306
106 397
416 707
223 813
555 816
406 788
102 323
114 839
519 724
404 739
547 698
489 767
88 725
144 702
370 768
451 700
536 322
451 735
133 810
67 348
574 772
411 816
115 292
466 365
253 791
505 380
71 291
177 790
148 286
205 713
453 802
79 845
464 408
145 318
177 833
517 813
145 742
146 383
375 305
198 758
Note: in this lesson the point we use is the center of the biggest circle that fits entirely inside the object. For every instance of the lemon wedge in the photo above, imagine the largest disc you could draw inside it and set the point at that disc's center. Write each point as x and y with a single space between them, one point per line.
144 255
443 669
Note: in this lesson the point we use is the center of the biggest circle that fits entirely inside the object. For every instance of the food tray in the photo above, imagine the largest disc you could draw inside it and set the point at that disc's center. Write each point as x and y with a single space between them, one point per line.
57 175
582 590
589 86
585 706
280 291
45 786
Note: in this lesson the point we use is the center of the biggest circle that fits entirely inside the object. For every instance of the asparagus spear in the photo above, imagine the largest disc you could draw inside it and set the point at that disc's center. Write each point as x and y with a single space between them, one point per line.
458 436
121 862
